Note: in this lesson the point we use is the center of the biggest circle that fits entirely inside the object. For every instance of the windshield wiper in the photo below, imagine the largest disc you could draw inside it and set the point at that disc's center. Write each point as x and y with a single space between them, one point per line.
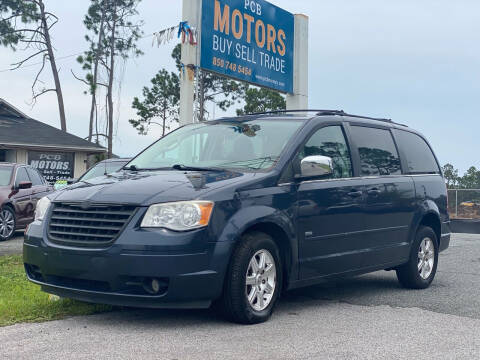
182 167
253 164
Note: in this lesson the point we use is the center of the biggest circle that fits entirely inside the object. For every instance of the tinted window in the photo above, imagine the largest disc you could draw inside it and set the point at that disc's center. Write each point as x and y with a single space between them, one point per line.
419 156
21 176
35 177
330 141
5 175
378 154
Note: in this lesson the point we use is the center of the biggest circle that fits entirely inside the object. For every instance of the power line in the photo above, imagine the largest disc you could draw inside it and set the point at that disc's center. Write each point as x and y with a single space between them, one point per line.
39 63
59 58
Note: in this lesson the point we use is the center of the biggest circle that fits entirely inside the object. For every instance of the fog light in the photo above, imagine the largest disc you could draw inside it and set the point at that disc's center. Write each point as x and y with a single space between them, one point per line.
152 286
155 286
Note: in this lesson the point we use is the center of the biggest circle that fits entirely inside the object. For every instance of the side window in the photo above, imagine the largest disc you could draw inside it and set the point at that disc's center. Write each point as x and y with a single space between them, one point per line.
35 177
21 176
419 156
378 154
330 141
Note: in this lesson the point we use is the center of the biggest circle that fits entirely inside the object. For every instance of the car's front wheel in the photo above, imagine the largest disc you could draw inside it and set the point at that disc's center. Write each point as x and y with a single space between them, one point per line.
7 223
420 271
254 280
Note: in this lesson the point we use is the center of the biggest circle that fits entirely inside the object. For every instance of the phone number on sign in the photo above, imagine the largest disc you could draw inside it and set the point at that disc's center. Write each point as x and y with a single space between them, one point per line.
225 64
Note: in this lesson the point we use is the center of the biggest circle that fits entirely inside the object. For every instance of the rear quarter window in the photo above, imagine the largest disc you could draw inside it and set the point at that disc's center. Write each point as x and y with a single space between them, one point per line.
418 155
377 151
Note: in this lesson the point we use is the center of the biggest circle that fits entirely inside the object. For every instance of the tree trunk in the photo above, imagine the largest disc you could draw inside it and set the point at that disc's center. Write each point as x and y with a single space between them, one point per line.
110 81
51 57
93 107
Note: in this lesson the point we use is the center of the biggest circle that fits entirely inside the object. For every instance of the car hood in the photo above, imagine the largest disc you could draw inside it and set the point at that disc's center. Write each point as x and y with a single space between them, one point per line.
146 188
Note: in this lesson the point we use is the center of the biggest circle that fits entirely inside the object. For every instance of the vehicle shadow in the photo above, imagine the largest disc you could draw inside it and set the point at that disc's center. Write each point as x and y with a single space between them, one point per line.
370 285
366 287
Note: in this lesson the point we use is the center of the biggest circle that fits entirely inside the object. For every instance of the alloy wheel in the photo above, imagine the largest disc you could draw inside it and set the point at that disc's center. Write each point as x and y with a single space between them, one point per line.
426 258
7 224
261 280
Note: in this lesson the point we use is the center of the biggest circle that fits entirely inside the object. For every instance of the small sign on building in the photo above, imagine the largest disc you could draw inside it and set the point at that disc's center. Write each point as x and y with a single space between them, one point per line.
248 40
53 165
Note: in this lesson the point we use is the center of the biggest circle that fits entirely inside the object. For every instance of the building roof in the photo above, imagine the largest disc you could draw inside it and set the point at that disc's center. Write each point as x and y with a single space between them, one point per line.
19 130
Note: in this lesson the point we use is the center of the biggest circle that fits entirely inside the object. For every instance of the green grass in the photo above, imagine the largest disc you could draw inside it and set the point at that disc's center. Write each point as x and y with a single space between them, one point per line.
22 301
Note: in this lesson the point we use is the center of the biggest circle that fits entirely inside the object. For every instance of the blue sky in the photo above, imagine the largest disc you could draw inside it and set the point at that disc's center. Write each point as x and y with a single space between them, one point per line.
415 61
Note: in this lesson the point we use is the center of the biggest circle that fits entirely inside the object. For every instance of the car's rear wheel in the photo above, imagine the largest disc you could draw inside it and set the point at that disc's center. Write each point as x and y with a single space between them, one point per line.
254 280
7 223
420 271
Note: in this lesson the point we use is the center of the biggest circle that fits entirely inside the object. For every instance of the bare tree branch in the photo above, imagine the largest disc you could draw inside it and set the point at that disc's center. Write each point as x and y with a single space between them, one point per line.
79 79
38 74
33 42
52 24
10 17
104 64
20 63
97 134
26 30
50 14
42 93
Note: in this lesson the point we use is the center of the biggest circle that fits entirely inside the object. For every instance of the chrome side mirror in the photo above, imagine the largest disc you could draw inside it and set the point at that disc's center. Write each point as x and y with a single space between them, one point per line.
316 166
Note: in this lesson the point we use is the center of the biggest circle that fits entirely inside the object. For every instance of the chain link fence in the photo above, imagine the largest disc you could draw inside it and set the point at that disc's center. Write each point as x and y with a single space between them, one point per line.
464 203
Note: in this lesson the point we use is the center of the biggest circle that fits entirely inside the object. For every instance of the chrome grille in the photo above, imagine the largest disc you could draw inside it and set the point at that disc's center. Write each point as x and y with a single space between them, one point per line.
97 225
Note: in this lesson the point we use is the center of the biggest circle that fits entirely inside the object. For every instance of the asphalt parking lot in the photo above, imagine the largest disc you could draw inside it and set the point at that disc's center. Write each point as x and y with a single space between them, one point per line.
13 246
368 317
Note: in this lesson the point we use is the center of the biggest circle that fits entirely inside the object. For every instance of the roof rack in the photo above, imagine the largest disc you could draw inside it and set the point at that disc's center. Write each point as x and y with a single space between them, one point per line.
296 111
324 113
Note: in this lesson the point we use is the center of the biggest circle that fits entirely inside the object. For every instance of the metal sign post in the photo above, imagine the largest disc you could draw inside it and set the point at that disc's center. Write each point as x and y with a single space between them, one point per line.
192 10
299 99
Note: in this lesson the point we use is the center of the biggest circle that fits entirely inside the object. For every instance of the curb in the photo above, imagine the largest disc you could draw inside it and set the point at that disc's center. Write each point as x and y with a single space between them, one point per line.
465 226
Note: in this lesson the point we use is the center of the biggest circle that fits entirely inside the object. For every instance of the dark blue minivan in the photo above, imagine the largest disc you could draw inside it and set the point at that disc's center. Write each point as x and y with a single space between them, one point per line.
235 211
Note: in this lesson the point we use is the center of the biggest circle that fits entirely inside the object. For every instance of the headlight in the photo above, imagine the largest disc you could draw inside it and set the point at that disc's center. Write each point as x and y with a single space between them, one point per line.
178 216
42 208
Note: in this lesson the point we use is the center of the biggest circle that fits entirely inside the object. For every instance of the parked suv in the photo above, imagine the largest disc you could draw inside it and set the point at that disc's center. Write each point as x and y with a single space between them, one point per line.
236 210
20 188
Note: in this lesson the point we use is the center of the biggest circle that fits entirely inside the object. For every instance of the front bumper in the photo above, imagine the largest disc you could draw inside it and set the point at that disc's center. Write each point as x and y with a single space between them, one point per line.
187 266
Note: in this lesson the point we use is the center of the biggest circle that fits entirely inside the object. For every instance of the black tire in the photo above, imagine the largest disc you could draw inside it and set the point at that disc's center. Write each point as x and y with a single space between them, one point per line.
8 236
409 274
234 302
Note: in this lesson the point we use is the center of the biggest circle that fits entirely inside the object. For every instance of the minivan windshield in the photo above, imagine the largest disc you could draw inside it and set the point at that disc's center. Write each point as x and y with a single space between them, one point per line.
5 175
248 145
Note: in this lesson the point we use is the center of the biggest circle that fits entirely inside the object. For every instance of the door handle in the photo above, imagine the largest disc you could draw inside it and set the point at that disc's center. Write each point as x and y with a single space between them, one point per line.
355 193
373 191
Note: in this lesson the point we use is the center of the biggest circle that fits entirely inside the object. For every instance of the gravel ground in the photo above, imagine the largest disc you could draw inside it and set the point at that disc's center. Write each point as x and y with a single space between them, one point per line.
368 317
